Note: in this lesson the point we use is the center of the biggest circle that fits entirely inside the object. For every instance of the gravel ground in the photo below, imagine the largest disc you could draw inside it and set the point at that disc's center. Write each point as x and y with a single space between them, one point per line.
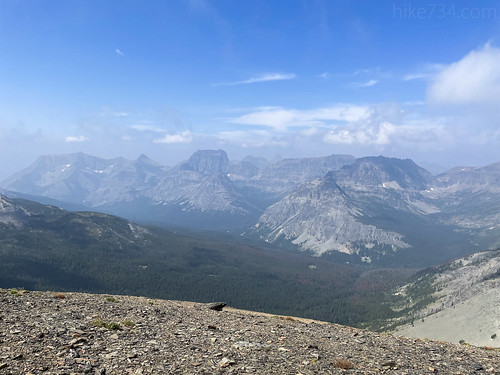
73 333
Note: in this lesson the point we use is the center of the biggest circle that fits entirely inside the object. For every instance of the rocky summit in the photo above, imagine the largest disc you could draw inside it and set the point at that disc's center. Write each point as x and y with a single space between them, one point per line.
73 333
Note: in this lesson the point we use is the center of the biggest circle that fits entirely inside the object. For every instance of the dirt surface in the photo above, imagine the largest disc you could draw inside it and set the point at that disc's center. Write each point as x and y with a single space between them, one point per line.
475 320
72 333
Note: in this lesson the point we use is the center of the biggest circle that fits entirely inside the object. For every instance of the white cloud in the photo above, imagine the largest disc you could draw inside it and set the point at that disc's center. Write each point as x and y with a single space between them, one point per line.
416 76
325 75
280 118
473 79
379 132
78 138
147 128
184 137
251 138
118 52
260 78
370 83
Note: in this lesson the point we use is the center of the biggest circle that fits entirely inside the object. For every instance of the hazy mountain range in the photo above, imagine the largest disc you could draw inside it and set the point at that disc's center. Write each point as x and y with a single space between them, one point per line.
369 208
44 247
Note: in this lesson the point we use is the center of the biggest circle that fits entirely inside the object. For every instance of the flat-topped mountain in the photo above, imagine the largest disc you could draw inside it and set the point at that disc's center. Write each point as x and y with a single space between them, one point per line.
208 162
105 334
379 171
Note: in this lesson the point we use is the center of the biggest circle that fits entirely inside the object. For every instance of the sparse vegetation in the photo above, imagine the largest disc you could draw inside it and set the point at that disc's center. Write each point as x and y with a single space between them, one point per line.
343 364
128 323
18 292
103 324
111 299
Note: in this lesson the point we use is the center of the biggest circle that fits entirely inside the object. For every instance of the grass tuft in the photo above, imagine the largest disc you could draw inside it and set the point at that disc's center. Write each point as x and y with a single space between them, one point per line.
103 324
343 364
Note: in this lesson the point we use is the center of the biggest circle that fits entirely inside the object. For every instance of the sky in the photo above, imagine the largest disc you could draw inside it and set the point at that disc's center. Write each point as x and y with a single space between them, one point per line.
409 79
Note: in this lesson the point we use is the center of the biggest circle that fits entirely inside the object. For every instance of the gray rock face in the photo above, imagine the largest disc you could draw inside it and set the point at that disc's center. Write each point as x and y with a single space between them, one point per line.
285 175
320 216
207 162
375 171
11 213
83 179
343 211
471 177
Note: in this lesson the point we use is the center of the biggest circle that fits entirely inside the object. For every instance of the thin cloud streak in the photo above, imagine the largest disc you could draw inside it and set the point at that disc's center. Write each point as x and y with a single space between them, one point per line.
118 52
370 83
184 137
260 78
78 138
281 118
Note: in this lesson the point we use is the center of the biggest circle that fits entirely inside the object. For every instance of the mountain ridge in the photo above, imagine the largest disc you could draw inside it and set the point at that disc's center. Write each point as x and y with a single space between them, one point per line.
394 200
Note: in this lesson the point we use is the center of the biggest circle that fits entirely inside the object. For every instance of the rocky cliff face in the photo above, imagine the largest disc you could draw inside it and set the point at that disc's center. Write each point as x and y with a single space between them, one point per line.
383 204
285 175
321 217
207 162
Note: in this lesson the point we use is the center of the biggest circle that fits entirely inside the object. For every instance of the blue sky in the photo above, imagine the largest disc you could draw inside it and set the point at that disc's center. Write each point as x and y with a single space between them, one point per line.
416 79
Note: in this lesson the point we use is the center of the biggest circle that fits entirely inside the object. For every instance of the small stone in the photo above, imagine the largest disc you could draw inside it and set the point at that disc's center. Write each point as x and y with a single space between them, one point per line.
3 365
132 355
217 306
281 349
225 362
76 342
389 364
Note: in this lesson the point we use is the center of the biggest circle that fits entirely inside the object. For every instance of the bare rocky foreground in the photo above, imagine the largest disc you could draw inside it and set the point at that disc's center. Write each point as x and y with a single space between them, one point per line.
72 333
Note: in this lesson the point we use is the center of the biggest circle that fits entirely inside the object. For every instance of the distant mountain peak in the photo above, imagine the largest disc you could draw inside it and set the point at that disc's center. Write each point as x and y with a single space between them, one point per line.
144 159
208 162
377 170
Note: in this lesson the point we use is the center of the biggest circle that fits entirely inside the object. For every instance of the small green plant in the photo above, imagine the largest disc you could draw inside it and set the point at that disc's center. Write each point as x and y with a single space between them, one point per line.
13 291
111 299
103 324
128 323
113 326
